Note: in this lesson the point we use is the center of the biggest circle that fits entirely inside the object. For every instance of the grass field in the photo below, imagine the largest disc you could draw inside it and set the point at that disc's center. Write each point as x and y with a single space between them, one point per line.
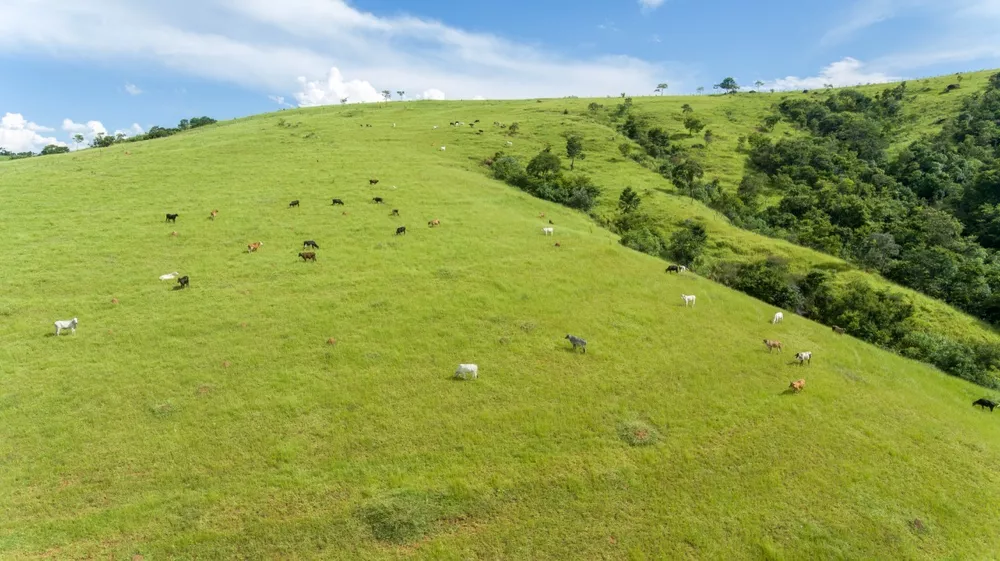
216 421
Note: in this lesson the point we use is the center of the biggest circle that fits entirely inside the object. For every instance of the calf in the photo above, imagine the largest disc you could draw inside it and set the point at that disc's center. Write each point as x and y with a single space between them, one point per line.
434 223
577 343
184 281
338 202
254 246
293 203
798 385
66 324
838 330
548 231
309 243
689 299
308 256
213 214
771 345
805 356
982 402
401 230
395 212
464 370
171 217
378 200
169 276
777 318
373 181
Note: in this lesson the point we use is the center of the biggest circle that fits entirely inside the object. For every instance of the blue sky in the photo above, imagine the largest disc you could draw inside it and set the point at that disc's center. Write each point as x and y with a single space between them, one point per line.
71 66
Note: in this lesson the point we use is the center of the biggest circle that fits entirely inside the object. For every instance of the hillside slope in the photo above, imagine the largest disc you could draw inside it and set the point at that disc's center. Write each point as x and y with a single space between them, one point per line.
216 421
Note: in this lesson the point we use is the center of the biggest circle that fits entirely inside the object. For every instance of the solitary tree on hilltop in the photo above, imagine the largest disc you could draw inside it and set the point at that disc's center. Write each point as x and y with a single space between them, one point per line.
729 84
387 95
701 89
574 149
343 100
78 139
758 84
661 87
400 93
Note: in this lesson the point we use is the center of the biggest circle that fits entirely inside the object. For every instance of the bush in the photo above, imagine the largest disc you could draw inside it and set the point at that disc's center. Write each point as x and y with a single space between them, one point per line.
688 243
645 240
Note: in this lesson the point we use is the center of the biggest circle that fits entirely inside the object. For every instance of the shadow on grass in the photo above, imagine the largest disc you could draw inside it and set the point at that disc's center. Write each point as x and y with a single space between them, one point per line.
178 287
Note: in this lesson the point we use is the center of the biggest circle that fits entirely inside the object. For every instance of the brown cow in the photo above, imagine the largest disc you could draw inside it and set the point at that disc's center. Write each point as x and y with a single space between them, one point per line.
254 246
308 256
798 385
434 223
213 215
771 345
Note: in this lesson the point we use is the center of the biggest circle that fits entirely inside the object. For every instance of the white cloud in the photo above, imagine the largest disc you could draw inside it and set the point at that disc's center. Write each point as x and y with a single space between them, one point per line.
17 134
132 89
266 46
131 131
650 4
89 130
846 72
864 14
434 94
280 100
333 89
479 98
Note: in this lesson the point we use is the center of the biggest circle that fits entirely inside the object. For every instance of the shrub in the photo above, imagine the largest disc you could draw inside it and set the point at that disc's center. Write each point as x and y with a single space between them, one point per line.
645 240
688 243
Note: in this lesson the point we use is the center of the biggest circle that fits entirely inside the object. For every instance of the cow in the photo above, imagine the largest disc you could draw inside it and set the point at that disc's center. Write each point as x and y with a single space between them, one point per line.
395 212
442 148
803 357
771 345
689 299
797 385
337 202
674 269
401 230
464 370
309 243
254 246
548 231
778 316
541 215
293 203
378 200
171 217
66 324
434 223
373 181
213 214
577 343
308 256
838 330
169 276
184 281
984 403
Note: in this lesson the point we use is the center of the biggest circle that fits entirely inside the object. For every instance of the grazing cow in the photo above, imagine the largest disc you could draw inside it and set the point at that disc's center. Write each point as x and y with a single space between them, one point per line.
982 402
434 127
401 230
309 243
174 233
171 217
464 370
395 212
293 203
798 385
442 148
805 356
213 214
434 223
674 269
184 281
169 276
777 317
476 121
373 181
558 244
308 256
771 345
689 299
509 143
548 231
254 246
377 200
551 222
337 202
66 324
541 215
838 330
577 343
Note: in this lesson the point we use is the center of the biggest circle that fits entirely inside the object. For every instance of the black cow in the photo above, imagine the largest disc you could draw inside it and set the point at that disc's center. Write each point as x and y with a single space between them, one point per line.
184 281
401 230
337 202
172 217
373 181
377 200
395 212
309 243
984 403
674 269
293 203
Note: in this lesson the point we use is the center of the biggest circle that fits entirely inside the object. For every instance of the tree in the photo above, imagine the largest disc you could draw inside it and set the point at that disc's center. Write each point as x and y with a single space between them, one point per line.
758 84
201 121
709 137
661 87
574 149
700 90
693 125
688 243
686 108
544 165
386 95
343 100
54 149
78 139
400 93
513 129
728 84
184 124
629 201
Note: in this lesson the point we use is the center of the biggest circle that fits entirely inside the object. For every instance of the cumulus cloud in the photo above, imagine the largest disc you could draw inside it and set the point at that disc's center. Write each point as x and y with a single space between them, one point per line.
846 72
132 89
18 134
434 94
280 100
131 131
333 88
89 130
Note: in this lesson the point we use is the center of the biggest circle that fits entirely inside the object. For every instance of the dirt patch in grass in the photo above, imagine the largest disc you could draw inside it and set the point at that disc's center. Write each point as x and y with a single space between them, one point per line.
638 433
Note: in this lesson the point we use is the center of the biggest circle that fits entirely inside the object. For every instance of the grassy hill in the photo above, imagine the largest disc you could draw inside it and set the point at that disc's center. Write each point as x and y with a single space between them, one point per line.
217 422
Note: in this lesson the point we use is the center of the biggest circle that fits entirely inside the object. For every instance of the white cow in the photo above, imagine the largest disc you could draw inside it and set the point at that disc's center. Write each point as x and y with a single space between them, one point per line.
66 324
464 370
442 148
681 268
804 356
548 231
509 143
169 276
688 299
777 317
435 126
